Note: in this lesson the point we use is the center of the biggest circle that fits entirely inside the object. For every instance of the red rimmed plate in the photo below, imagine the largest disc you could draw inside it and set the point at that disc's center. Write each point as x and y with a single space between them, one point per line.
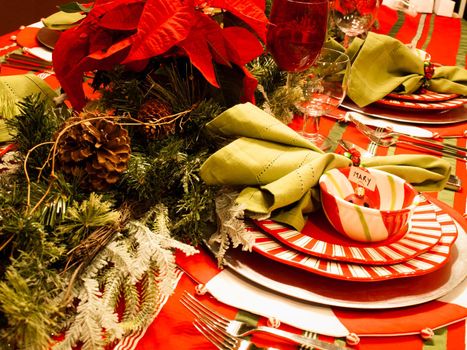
428 96
419 106
318 238
427 262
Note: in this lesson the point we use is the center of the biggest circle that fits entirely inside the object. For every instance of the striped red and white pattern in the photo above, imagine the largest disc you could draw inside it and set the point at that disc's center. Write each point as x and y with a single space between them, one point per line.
423 106
422 264
428 96
130 341
424 233
391 205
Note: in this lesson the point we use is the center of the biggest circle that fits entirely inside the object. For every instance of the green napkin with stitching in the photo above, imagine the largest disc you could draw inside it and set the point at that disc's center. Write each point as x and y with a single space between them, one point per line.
278 170
63 20
424 172
382 64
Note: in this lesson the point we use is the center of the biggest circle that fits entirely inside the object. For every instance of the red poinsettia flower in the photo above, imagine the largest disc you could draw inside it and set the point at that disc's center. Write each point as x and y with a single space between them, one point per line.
361 6
130 32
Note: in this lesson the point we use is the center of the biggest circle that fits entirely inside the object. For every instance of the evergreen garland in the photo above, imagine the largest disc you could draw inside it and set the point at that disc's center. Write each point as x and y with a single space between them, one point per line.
90 251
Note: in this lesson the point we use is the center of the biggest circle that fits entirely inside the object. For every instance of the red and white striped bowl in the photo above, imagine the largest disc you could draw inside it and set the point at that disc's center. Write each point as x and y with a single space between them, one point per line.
392 203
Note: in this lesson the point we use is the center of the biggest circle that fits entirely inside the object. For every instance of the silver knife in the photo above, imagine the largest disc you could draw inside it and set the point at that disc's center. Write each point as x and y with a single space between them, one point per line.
397 127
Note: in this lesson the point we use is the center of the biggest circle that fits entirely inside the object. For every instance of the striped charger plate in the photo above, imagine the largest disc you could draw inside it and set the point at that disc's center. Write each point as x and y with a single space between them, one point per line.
427 262
318 238
422 106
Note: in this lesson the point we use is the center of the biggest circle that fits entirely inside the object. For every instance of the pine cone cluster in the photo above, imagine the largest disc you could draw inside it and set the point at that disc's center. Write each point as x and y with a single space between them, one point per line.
157 119
96 149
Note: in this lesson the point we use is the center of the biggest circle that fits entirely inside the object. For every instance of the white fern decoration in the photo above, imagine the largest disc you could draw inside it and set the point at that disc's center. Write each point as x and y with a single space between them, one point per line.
139 256
231 228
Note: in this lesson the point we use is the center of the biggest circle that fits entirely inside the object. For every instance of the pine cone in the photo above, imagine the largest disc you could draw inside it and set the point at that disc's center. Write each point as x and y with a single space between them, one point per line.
96 150
158 120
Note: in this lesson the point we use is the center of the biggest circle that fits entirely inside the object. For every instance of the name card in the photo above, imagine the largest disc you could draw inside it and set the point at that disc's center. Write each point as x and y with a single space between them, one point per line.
363 178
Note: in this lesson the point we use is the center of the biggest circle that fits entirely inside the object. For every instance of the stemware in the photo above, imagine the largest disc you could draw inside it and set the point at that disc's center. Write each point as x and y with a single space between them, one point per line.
324 87
297 32
354 17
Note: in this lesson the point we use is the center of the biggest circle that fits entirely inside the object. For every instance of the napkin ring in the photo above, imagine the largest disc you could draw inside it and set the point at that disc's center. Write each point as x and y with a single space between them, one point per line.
353 155
428 71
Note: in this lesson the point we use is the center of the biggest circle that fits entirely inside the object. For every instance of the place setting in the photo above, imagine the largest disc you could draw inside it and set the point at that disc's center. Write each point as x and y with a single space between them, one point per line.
372 243
409 89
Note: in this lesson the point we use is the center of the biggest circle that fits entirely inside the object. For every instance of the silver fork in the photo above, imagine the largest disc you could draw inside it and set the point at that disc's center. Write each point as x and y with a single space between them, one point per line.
223 340
243 329
373 146
391 141
308 335
387 138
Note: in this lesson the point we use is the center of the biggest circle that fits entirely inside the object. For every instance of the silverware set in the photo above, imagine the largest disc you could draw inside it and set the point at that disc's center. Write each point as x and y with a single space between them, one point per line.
228 334
386 138
26 62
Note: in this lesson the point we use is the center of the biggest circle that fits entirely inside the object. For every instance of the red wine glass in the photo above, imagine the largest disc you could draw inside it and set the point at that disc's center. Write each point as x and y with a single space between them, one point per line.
297 33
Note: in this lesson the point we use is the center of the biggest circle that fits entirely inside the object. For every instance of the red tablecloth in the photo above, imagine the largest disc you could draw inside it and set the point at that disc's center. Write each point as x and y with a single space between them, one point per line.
172 328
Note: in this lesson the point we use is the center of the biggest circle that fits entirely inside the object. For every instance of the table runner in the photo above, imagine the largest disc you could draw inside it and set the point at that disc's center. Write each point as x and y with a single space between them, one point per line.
435 34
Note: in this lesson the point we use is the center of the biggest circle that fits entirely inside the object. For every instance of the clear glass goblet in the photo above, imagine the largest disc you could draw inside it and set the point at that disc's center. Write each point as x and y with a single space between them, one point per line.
324 86
354 17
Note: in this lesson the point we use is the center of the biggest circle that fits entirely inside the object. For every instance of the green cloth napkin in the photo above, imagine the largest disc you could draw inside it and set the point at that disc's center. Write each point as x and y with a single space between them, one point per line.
382 64
278 170
424 172
62 20
13 88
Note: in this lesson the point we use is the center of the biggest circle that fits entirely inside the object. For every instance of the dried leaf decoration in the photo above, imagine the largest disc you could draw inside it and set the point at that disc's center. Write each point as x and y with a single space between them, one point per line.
130 32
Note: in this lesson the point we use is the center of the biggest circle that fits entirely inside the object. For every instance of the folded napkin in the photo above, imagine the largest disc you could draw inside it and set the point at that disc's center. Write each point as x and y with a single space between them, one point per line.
423 171
279 170
382 64
63 20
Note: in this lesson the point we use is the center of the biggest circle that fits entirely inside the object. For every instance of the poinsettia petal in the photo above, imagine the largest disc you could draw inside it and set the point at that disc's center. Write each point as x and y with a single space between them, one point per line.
113 49
249 86
260 3
248 11
100 40
209 30
104 62
163 24
243 45
123 17
66 58
197 49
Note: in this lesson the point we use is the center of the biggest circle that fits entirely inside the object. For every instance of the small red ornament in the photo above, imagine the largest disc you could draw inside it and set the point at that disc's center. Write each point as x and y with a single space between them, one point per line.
359 198
353 155
428 70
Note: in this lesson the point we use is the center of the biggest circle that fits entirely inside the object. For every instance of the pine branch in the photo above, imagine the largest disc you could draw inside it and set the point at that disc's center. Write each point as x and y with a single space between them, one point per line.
140 256
29 300
35 124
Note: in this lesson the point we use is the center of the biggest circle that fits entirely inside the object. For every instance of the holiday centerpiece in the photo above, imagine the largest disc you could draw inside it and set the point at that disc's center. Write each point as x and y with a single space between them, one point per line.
97 196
